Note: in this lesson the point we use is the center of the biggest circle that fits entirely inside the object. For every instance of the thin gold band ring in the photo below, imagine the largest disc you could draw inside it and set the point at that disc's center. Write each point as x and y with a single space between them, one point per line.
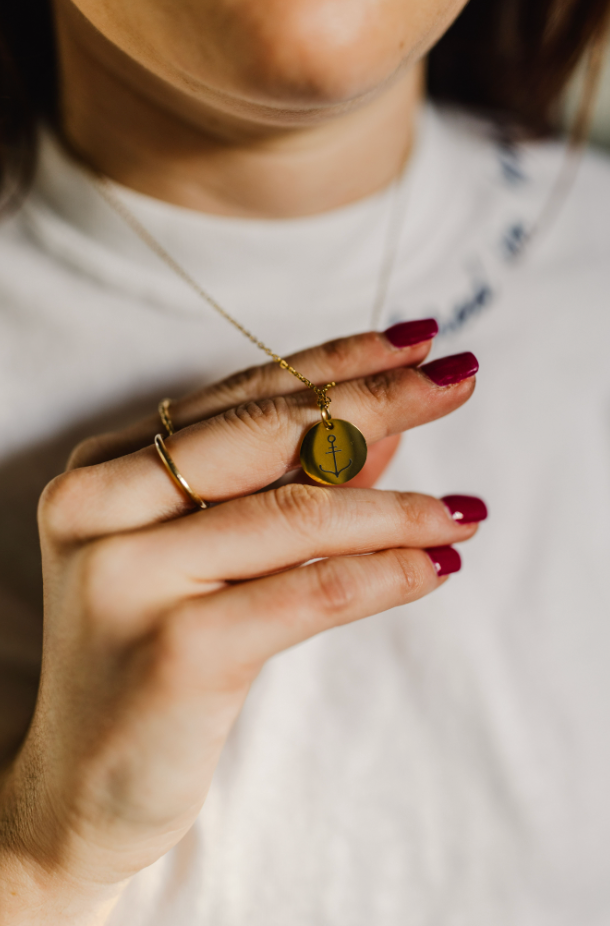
166 420
177 477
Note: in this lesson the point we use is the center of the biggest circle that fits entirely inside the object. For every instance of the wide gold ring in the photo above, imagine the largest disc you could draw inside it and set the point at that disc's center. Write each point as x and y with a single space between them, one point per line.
177 477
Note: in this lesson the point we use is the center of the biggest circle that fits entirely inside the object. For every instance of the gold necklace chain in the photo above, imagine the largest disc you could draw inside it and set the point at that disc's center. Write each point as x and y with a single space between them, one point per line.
104 187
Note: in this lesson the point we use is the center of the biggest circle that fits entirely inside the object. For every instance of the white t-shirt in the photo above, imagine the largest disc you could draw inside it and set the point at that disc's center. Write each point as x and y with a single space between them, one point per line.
445 763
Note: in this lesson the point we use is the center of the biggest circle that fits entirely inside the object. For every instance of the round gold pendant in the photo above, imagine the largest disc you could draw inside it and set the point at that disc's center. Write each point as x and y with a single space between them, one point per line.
333 456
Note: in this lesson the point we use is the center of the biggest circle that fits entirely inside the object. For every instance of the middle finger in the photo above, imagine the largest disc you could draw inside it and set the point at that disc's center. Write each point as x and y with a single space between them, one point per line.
243 450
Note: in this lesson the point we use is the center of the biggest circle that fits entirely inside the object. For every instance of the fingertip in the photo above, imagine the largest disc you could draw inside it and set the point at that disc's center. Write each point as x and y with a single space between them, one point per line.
410 333
465 509
448 371
446 560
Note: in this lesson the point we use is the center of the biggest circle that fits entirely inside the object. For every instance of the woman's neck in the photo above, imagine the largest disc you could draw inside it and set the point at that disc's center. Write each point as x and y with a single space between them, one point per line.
200 153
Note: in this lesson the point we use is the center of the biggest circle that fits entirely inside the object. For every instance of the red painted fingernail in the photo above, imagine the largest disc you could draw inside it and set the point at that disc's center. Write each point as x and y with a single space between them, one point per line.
447 371
404 334
467 509
445 560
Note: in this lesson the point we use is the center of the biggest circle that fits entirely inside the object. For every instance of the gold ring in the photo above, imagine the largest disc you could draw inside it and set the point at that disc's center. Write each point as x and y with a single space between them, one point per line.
177 477
166 421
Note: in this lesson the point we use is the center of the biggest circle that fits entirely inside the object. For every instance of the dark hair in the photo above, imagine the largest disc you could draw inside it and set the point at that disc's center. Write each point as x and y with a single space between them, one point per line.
513 58
508 58
28 88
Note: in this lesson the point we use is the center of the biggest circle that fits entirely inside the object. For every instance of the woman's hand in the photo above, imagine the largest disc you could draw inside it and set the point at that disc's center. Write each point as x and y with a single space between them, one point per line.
158 619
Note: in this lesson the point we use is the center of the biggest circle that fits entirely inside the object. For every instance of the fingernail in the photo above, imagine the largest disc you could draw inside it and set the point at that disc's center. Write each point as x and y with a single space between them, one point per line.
404 334
467 509
445 560
447 371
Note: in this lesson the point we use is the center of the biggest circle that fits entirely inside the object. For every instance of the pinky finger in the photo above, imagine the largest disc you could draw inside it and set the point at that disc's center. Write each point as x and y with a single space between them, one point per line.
231 633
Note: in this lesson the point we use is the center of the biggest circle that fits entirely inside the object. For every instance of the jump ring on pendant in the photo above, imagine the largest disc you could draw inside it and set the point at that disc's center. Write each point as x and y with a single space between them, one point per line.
327 419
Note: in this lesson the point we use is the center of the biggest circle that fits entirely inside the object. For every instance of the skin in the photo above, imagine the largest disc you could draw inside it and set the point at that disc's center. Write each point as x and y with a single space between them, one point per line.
156 623
243 107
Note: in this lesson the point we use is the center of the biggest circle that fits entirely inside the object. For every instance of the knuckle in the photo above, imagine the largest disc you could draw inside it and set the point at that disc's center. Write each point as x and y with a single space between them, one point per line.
334 590
407 575
267 415
61 505
241 386
306 506
379 388
339 355
418 516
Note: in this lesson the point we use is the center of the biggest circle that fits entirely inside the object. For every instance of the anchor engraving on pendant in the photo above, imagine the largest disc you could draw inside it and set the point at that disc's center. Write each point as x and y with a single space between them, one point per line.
335 472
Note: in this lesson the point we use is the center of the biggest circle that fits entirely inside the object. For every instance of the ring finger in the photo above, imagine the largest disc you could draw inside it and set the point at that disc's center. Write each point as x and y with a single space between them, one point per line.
262 534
